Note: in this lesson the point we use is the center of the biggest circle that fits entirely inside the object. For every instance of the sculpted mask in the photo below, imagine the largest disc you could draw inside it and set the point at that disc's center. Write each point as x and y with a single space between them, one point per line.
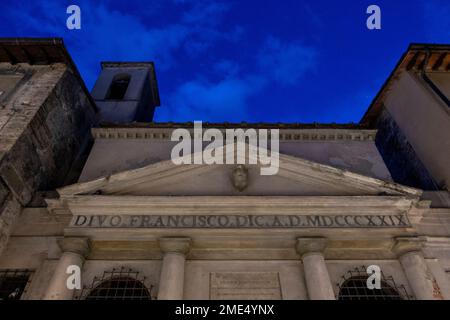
240 177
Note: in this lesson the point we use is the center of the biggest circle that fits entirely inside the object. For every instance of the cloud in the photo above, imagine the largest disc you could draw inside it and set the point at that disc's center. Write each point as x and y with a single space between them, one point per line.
226 68
220 88
204 20
227 96
212 101
108 33
286 63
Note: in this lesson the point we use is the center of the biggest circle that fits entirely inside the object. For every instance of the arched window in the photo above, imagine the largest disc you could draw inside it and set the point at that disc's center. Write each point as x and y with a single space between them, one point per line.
354 287
122 284
118 87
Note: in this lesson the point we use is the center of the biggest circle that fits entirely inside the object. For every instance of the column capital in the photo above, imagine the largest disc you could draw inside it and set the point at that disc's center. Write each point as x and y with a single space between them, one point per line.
306 245
404 245
78 245
175 244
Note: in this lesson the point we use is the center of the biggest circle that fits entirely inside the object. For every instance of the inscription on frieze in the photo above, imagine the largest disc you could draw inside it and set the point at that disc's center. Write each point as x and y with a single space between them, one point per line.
245 286
240 221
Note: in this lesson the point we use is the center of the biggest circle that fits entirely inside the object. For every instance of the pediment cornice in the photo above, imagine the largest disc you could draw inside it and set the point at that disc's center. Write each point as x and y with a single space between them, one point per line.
293 169
121 204
323 134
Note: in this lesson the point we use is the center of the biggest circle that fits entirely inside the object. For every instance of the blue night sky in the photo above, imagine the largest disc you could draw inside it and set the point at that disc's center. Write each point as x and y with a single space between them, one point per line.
242 60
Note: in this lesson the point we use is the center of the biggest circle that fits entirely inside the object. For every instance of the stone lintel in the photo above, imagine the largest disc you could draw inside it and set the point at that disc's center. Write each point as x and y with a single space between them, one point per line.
404 245
179 245
78 245
311 245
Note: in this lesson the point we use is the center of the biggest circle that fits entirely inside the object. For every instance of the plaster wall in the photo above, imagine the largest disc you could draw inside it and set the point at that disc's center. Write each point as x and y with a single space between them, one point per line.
110 156
425 121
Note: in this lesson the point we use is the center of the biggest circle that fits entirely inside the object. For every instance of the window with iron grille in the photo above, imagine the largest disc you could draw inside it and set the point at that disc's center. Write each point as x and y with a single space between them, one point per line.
13 283
354 287
118 284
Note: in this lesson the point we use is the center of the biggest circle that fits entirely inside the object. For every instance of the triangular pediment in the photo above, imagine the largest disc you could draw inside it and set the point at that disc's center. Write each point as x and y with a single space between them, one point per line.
295 177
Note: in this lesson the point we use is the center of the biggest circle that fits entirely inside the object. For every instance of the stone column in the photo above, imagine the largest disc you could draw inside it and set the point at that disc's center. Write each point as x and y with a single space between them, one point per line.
409 253
171 281
74 251
317 278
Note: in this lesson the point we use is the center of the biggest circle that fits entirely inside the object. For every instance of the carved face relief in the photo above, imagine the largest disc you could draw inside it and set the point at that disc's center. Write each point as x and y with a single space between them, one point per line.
239 177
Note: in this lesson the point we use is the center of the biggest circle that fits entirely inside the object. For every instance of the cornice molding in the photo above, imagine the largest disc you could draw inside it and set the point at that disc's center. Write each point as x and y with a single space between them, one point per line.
130 205
290 167
285 134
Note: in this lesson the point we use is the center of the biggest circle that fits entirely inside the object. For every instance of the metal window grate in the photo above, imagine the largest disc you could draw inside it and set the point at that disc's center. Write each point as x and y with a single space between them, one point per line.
354 287
13 283
118 284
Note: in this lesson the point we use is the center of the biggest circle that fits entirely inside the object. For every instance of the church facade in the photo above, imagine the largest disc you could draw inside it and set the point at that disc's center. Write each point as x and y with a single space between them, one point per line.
87 184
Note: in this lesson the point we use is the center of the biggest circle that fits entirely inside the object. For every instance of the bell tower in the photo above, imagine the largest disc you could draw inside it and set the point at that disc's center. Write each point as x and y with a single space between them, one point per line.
126 92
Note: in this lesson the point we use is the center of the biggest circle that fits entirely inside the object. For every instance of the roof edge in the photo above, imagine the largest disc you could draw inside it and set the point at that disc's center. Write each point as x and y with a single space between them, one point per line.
274 125
415 57
40 51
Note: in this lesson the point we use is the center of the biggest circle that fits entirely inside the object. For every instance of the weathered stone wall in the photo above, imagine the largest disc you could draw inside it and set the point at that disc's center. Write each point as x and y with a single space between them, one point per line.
49 123
44 128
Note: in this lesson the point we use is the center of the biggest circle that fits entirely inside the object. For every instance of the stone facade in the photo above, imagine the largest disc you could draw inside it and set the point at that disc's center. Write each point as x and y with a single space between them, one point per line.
123 211
45 117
